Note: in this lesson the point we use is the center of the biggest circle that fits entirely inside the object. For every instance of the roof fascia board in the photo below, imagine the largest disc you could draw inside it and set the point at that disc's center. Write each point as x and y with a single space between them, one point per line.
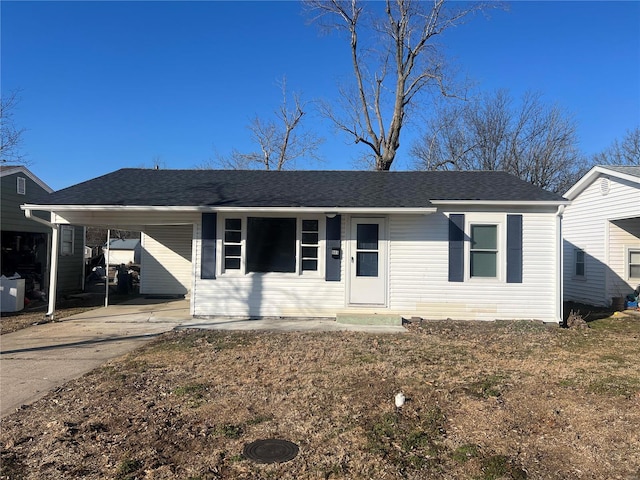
26 172
591 176
503 203
151 208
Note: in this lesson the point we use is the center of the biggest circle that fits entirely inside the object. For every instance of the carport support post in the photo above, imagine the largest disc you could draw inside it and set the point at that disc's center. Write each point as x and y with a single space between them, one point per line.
53 273
106 269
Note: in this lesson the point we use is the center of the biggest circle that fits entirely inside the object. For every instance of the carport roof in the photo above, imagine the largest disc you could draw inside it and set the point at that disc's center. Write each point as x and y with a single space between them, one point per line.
325 189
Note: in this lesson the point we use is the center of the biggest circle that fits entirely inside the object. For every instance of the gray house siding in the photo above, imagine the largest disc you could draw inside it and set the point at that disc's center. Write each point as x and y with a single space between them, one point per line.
21 235
12 219
70 267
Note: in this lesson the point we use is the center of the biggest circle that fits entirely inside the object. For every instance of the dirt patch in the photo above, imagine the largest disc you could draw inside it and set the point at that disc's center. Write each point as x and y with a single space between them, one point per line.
489 400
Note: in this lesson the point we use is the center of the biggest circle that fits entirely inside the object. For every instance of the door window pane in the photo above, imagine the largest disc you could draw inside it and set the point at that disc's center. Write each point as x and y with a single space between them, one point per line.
367 236
367 264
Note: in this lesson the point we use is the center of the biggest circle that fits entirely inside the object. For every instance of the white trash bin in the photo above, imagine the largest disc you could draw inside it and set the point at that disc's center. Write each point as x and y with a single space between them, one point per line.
11 294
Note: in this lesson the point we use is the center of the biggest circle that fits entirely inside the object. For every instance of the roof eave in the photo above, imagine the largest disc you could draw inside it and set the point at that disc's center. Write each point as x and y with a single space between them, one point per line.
155 208
505 203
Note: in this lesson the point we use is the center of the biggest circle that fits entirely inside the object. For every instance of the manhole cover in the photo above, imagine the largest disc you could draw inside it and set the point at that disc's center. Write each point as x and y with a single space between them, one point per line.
271 450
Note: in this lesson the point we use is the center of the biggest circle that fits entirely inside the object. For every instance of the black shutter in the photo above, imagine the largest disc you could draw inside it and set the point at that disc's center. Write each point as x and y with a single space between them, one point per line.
514 248
332 263
208 256
456 247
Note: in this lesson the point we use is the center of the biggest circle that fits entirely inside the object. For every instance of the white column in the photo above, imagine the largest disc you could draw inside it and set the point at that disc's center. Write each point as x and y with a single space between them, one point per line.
53 272
106 268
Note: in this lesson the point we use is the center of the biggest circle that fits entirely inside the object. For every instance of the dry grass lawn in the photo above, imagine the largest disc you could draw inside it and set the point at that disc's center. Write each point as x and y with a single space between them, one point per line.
491 400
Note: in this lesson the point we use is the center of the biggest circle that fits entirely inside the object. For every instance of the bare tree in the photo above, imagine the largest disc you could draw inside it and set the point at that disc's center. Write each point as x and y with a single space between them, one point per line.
394 58
10 135
280 141
621 152
534 141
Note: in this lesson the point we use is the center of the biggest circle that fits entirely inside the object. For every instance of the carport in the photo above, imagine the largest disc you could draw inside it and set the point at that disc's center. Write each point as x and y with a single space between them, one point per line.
166 244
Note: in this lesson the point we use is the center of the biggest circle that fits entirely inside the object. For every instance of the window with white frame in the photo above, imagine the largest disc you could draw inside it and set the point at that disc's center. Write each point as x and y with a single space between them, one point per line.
579 263
271 244
21 186
66 240
309 240
634 263
483 251
232 243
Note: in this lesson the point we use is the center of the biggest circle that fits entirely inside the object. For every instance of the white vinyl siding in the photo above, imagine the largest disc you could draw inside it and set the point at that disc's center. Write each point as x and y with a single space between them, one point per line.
624 237
267 294
166 260
590 223
418 266
417 282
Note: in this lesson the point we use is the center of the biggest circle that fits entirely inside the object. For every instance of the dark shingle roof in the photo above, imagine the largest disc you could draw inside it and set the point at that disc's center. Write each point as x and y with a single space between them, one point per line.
259 188
632 170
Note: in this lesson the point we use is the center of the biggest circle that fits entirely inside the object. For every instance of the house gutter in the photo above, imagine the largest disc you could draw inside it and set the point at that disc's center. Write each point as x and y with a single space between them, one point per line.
53 269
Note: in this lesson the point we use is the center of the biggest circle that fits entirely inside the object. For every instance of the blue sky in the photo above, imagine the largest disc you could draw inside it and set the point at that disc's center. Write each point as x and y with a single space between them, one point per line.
106 85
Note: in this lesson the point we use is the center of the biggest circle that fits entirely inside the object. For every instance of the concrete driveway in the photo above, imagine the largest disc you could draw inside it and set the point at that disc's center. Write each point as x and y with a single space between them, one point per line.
37 359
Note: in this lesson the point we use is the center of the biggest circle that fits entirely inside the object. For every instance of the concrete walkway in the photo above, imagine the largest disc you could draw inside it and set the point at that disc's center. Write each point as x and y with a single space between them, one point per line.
39 358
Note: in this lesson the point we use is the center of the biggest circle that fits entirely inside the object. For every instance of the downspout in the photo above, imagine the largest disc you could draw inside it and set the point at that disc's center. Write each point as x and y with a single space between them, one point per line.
560 263
53 269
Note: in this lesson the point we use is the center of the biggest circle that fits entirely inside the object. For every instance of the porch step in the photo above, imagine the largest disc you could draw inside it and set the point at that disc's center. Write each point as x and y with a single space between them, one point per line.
369 318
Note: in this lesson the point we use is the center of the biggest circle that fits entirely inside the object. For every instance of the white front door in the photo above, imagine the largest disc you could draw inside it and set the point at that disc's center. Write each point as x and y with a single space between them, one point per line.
368 261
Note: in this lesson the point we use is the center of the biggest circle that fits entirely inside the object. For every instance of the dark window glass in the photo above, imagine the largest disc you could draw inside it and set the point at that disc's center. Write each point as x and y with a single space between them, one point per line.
310 252
367 236
367 264
309 238
232 263
233 224
271 244
309 265
232 250
232 237
579 263
309 225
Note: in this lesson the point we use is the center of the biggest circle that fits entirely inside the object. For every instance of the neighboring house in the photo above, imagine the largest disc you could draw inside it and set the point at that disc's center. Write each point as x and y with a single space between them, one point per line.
460 245
26 242
601 230
124 251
